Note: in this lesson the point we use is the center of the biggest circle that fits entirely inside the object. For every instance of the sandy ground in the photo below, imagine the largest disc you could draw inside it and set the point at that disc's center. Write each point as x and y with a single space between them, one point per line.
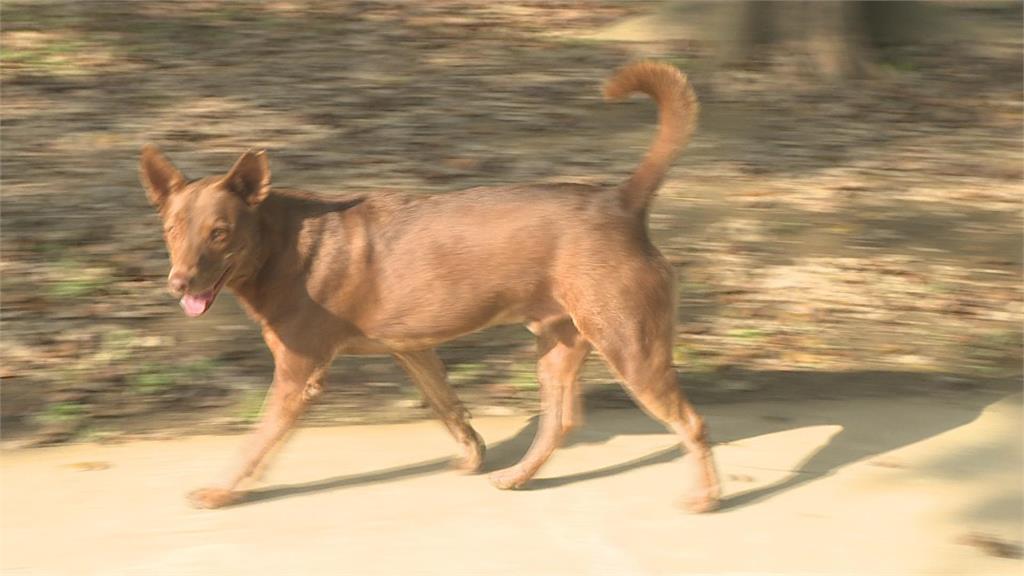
908 485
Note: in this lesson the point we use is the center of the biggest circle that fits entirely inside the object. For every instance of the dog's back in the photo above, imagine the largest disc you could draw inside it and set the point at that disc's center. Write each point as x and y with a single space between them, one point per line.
501 254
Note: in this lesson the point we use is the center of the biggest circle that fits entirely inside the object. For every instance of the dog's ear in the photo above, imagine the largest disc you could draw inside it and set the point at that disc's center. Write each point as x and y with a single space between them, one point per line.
250 177
159 177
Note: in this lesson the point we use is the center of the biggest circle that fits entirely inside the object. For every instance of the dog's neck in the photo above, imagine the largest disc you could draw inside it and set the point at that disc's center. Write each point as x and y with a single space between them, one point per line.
273 279
262 274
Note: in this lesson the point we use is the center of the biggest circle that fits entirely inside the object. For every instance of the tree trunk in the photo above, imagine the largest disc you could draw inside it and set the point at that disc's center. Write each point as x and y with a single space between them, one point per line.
836 40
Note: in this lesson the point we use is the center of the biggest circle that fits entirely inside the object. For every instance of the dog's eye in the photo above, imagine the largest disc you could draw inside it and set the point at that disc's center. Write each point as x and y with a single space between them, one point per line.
219 234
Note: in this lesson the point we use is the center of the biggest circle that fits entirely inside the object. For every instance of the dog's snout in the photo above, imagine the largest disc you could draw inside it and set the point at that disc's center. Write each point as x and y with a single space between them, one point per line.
178 283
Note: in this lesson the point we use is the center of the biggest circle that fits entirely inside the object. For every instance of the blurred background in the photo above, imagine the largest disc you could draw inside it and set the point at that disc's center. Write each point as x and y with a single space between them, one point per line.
846 228
847 220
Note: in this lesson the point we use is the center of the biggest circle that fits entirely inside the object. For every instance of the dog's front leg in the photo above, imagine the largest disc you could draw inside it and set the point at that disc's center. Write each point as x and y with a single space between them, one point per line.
296 381
428 374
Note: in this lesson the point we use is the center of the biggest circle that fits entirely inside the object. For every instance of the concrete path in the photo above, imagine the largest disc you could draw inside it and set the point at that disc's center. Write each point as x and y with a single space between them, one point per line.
858 486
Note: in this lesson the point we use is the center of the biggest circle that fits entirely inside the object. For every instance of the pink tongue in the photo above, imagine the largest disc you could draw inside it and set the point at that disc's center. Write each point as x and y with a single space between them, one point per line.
194 305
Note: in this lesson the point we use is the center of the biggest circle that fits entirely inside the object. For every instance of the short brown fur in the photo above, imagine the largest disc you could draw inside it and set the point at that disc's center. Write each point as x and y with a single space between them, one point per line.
401 274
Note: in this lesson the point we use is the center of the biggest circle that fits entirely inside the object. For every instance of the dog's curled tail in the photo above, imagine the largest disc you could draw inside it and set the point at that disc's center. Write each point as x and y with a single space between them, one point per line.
677 118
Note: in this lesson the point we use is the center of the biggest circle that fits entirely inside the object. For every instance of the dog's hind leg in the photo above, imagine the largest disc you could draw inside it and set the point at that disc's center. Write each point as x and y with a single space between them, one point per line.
653 383
428 373
632 327
645 365
562 351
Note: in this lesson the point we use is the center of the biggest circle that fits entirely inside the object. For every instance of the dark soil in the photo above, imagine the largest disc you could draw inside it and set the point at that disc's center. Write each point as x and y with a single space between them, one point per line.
862 238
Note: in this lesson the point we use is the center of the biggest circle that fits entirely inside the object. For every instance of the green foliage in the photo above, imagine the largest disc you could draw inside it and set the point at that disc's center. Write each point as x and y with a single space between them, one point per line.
251 405
466 372
52 56
745 333
690 359
523 378
60 412
898 64
153 379
74 281
75 288
993 354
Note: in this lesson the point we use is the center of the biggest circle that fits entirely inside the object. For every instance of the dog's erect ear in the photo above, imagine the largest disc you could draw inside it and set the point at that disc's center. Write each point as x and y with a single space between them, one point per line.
250 177
159 177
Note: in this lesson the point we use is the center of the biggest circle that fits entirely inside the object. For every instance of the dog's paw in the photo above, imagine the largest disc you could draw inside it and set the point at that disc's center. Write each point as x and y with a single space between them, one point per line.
472 459
700 502
213 497
509 479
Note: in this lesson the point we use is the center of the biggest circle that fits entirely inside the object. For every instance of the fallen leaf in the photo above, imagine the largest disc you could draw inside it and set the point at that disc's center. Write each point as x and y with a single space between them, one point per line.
89 466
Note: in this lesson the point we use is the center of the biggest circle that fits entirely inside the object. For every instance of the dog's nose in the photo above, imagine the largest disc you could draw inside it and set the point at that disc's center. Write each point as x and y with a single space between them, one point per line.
178 283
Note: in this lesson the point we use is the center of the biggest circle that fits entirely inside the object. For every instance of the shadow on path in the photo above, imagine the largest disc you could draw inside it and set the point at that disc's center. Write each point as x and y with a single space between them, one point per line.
778 408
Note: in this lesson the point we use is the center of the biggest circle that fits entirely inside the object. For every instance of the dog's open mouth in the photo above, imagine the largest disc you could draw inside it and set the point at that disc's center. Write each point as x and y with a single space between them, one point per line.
197 304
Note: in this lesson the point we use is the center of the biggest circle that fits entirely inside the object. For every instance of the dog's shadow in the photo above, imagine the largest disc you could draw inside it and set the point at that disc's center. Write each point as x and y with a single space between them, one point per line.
858 439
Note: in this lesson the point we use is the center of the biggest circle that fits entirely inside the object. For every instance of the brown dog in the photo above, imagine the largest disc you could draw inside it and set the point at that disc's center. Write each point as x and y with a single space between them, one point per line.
399 275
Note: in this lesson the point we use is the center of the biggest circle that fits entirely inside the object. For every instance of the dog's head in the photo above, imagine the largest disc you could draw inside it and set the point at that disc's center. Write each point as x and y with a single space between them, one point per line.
211 225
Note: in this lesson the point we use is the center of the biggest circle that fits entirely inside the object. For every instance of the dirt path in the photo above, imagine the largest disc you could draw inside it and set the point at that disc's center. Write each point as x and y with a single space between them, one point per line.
908 485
